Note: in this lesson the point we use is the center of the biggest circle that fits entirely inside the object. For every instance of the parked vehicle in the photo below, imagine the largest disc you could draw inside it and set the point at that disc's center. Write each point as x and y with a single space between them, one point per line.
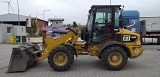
149 29
50 30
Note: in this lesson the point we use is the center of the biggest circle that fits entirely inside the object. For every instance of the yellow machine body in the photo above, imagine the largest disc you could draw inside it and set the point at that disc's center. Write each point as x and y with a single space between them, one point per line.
93 49
103 37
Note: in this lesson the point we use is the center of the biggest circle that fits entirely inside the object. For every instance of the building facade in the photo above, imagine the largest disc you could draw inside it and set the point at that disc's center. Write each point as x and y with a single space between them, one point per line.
56 21
5 32
10 18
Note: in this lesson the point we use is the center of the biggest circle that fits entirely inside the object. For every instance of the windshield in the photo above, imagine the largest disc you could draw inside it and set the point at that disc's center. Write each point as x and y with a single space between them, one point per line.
103 15
106 15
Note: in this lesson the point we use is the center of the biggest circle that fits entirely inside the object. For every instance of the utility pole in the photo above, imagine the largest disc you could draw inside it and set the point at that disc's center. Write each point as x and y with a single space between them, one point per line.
18 13
8 7
110 2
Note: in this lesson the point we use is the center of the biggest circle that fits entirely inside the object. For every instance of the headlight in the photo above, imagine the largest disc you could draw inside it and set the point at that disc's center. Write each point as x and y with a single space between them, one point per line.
137 51
138 43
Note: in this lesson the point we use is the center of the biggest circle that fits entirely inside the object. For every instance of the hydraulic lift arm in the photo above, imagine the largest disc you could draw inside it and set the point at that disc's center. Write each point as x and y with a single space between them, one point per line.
51 42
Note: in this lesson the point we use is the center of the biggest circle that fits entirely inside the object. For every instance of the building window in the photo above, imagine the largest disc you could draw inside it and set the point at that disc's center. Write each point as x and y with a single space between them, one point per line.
60 22
56 22
8 29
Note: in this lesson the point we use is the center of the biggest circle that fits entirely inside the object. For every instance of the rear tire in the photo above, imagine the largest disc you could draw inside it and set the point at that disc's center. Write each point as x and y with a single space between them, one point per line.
60 58
114 58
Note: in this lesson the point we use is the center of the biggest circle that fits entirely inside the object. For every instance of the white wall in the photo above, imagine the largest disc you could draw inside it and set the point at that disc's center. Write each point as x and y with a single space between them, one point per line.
4 36
149 21
19 30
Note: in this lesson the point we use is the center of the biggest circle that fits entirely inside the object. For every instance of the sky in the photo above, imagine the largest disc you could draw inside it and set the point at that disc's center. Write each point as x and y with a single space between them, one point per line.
76 10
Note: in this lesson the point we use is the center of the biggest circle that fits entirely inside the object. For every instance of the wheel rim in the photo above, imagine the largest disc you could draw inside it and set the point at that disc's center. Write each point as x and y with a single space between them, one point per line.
60 59
115 58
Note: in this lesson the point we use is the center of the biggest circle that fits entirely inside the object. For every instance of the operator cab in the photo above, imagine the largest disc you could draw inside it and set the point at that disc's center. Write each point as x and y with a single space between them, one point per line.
102 21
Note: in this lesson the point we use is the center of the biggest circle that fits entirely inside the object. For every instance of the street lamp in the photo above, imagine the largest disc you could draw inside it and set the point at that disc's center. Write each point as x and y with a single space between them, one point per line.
37 16
43 13
55 16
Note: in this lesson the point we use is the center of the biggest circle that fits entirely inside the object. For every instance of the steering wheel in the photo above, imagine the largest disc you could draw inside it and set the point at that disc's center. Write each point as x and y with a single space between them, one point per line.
98 27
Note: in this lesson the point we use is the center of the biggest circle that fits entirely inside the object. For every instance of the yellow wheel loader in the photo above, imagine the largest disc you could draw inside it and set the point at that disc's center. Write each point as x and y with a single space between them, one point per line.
104 37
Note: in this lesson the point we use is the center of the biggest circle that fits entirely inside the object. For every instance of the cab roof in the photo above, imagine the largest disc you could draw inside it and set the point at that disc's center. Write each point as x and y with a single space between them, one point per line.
94 6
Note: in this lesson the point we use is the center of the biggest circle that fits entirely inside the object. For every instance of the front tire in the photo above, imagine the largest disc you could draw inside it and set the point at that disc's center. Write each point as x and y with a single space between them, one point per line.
60 58
114 58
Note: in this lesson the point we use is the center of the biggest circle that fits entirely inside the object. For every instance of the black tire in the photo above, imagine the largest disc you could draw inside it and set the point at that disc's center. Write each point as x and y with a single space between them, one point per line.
110 50
158 40
67 52
72 51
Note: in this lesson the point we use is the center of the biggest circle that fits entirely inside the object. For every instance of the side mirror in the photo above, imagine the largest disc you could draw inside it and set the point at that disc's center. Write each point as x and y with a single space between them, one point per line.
84 34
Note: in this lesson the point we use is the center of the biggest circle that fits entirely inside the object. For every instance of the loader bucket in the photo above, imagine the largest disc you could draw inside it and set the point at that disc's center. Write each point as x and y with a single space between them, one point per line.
23 57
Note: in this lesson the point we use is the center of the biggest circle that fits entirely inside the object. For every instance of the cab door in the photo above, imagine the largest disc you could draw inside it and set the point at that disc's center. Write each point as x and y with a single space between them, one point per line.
103 25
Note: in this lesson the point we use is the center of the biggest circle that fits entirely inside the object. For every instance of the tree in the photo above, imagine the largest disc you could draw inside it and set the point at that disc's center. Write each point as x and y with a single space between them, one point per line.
34 27
32 30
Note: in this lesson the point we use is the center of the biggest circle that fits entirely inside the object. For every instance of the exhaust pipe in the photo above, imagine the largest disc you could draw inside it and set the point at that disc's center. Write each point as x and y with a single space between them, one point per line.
23 57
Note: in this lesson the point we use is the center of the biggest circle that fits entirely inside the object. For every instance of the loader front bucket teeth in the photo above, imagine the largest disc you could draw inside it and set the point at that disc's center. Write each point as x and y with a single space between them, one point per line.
23 57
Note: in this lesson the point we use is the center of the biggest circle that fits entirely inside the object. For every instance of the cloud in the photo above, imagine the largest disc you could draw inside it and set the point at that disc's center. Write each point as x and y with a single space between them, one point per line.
77 10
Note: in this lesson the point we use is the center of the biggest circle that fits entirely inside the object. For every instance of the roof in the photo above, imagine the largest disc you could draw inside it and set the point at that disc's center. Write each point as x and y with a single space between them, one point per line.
2 24
130 14
14 17
56 19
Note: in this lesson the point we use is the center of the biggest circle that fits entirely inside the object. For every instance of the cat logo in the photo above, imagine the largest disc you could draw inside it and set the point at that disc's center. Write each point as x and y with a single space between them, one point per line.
126 38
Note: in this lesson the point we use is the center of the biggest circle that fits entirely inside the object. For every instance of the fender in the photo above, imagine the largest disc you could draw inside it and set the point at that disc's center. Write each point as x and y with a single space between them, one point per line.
111 43
73 49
